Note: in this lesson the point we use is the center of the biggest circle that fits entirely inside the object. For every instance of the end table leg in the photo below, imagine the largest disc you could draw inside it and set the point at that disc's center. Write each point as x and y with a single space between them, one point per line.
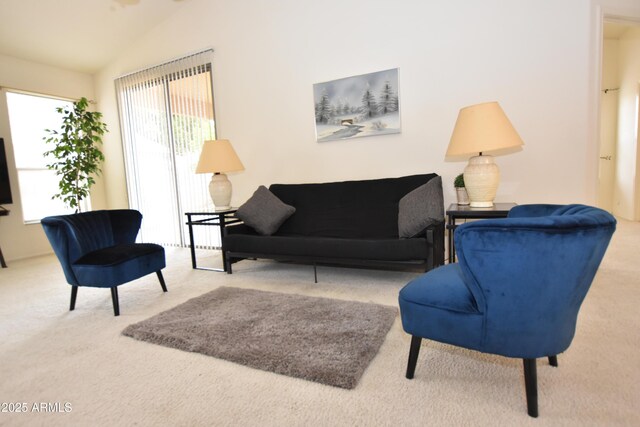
4 264
192 245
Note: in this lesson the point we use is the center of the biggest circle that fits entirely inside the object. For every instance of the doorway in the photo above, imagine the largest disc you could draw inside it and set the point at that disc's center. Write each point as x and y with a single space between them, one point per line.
619 161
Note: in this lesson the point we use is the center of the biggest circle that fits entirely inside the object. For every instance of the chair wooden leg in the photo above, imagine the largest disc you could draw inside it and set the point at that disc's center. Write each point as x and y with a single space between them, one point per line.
74 294
164 286
413 356
531 386
114 298
553 360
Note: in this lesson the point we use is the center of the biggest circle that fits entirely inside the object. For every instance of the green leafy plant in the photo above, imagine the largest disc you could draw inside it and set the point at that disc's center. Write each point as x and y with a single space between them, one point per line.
459 181
76 151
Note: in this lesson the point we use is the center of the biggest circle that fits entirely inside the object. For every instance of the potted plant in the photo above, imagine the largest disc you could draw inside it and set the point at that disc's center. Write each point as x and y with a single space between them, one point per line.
76 151
461 191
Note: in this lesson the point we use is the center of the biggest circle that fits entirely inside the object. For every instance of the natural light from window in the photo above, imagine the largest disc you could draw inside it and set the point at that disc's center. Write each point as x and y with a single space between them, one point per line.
29 116
166 114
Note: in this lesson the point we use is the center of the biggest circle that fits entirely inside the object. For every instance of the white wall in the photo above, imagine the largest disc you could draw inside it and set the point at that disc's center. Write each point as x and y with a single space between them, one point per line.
17 239
540 59
531 56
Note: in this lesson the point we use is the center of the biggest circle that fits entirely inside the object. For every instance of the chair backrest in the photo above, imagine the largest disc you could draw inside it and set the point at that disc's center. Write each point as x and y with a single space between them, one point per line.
530 272
73 236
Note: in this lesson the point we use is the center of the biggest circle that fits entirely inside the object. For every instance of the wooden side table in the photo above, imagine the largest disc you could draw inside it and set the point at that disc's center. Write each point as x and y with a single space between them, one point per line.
219 219
3 212
456 211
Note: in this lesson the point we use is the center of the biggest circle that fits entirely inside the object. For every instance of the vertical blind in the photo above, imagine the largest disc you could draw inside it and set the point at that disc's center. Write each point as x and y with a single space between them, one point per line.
166 114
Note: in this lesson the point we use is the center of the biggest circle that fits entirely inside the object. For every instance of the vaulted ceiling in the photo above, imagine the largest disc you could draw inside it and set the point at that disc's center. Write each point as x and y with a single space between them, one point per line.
80 35
85 35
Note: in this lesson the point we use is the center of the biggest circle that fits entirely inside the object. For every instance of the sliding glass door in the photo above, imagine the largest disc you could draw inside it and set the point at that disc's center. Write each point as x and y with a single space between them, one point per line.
166 114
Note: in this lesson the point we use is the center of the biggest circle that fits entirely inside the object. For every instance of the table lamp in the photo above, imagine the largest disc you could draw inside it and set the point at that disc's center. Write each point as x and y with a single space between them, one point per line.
481 128
218 157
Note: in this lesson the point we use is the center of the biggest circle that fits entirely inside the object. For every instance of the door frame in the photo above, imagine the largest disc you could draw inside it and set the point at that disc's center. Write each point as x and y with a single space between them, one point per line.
600 14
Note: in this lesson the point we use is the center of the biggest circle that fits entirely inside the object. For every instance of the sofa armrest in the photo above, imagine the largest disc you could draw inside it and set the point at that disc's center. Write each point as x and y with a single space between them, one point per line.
239 228
434 235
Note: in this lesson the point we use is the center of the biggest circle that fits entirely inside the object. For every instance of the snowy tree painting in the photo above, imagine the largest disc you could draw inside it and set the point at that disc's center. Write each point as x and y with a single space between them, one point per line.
356 106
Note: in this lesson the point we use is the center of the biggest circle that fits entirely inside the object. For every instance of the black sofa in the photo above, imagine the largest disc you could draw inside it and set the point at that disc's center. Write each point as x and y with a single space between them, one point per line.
354 223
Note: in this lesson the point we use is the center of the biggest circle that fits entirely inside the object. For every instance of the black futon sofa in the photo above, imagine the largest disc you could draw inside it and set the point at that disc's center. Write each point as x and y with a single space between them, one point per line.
388 223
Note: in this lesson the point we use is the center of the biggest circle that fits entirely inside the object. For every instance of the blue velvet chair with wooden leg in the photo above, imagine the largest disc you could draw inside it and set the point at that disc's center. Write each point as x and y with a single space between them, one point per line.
517 288
98 249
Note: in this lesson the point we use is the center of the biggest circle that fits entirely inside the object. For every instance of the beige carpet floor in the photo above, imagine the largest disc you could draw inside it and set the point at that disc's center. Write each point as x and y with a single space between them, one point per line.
53 356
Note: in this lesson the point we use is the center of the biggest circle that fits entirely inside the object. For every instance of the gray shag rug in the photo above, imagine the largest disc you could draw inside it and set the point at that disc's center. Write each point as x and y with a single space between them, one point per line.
318 339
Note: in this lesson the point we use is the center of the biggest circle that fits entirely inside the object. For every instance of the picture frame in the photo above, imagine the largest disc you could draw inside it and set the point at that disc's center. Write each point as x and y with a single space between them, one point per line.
357 106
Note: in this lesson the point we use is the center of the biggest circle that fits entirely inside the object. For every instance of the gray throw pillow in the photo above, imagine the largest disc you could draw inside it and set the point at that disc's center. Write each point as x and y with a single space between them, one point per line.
264 212
421 208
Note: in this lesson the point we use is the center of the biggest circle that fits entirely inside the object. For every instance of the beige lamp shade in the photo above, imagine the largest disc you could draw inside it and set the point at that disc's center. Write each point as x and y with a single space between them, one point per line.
481 128
217 157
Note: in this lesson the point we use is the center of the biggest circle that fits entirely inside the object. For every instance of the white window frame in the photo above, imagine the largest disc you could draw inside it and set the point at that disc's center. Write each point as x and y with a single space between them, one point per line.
24 191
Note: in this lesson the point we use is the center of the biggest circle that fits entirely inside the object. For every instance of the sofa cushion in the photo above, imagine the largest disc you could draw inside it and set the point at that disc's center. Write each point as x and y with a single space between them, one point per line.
264 212
421 208
366 209
238 240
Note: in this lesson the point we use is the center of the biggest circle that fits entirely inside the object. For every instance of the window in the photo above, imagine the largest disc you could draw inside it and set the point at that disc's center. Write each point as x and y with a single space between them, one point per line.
29 116
166 114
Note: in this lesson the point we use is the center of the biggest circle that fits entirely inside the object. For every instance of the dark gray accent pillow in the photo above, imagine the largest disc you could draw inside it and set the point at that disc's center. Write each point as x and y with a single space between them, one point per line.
421 208
264 212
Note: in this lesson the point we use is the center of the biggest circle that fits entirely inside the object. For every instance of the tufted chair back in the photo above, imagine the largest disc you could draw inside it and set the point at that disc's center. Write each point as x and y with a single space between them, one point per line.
529 274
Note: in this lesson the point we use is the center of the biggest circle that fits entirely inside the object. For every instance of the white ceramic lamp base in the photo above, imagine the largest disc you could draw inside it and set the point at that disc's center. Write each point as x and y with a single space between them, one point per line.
220 190
481 178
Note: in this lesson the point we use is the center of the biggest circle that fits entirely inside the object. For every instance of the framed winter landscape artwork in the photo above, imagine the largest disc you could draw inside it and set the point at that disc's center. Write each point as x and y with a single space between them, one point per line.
364 105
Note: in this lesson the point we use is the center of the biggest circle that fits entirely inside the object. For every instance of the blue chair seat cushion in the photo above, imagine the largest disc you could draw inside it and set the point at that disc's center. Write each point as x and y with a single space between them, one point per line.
442 288
439 306
117 254
114 265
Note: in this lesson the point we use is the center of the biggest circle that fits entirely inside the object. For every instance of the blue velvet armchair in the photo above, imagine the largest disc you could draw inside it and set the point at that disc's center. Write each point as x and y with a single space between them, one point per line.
517 288
98 249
